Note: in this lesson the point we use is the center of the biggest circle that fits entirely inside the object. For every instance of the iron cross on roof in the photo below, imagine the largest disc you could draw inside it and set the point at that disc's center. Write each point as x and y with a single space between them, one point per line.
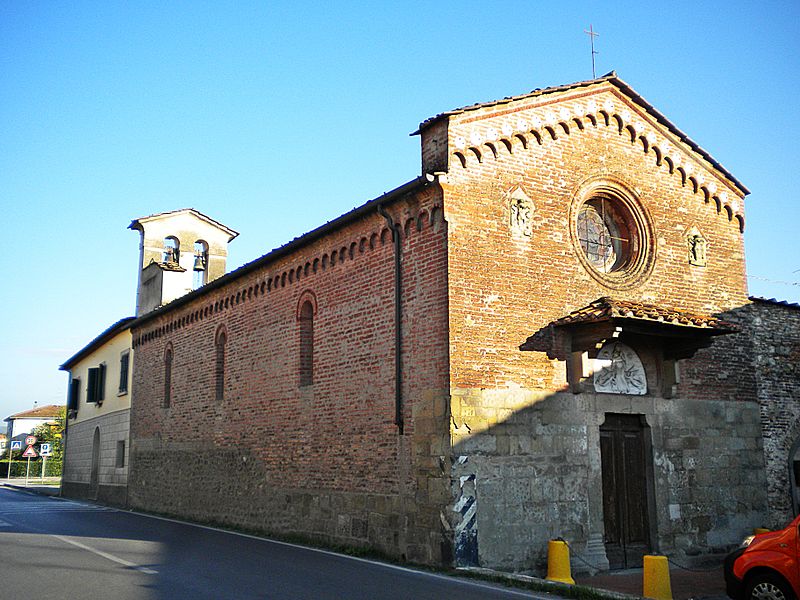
592 34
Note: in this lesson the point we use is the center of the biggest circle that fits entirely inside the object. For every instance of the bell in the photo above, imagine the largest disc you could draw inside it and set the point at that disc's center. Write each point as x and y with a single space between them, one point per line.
199 262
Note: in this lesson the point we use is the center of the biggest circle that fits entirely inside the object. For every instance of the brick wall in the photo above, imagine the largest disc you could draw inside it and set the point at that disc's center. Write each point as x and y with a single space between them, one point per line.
775 330
323 461
494 444
528 452
504 288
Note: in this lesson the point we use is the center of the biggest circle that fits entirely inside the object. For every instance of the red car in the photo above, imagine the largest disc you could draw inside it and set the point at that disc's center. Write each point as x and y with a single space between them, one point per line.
766 566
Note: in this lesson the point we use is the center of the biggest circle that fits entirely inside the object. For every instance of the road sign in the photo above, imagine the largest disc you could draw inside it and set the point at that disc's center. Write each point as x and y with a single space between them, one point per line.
29 452
30 440
2 444
16 444
45 449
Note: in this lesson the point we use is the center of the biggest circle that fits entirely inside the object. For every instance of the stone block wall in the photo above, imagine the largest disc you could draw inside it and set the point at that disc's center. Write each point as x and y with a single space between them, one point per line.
528 465
112 480
774 328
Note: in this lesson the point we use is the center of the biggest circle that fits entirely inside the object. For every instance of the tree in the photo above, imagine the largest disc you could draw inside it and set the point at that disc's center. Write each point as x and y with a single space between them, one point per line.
53 433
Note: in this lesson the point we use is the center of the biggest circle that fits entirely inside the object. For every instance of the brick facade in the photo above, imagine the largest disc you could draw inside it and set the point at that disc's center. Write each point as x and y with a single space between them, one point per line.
500 447
323 461
532 450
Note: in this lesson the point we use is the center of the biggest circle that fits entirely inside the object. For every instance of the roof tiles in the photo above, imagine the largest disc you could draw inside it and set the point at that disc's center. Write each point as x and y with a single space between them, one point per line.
607 308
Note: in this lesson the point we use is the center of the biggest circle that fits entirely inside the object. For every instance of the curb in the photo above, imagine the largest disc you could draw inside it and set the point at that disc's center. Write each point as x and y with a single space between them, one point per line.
562 589
34 489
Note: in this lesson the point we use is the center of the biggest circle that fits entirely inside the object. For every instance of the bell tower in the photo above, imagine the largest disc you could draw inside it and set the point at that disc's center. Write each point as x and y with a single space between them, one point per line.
179 251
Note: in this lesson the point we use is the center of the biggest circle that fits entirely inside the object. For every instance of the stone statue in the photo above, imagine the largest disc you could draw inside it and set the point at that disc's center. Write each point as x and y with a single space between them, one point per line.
521 213
697 249
622 371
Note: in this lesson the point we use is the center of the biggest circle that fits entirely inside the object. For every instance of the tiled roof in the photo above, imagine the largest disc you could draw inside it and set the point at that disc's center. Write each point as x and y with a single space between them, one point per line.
775 302
136 223
537 92
298 242
607 308
620 85
116 328
168 266
41 412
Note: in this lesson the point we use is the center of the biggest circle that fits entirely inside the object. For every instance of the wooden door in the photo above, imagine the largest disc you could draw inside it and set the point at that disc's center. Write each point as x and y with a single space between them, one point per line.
625 503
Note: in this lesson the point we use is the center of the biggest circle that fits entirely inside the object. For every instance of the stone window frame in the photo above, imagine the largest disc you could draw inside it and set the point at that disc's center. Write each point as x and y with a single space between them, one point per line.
119 462
627 205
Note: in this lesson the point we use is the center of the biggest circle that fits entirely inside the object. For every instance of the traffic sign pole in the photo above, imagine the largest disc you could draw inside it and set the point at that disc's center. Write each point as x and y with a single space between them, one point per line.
15 445
29 454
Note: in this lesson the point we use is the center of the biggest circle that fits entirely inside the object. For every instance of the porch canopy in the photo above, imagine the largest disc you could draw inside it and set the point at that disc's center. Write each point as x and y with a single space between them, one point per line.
680 333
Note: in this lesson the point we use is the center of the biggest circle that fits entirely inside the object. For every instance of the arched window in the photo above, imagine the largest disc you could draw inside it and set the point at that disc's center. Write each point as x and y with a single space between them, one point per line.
306 318
200 269
167 377
219 371
172 250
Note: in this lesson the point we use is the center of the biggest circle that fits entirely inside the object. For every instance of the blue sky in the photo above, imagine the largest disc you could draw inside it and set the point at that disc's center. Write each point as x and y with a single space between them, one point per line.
274 117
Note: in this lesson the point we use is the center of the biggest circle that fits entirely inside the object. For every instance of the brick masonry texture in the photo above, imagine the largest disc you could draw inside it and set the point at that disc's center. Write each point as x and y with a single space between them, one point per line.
534 451
323 461
499 453
775 331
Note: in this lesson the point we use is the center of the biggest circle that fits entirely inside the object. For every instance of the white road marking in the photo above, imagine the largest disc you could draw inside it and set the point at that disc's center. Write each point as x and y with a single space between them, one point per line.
107 556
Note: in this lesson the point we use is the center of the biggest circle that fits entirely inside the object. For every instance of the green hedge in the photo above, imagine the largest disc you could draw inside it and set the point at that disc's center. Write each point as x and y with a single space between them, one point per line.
19 467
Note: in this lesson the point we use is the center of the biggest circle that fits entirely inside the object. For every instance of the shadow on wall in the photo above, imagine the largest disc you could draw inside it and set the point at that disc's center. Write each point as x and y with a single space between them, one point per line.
635 456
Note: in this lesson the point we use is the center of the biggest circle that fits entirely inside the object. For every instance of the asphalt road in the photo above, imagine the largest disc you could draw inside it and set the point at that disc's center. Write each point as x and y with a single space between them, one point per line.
56 548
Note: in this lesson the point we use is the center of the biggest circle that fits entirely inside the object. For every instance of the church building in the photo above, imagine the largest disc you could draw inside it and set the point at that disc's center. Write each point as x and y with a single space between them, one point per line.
543 335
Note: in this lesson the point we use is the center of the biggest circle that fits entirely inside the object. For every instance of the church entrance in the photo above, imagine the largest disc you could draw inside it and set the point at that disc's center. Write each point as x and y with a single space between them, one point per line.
623 446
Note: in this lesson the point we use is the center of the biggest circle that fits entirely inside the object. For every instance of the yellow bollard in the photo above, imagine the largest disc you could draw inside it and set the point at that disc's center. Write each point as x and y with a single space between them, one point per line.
656 578
558 568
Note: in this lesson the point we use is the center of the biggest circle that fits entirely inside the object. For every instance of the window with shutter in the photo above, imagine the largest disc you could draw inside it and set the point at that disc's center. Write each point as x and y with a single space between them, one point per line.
74 395
91 387
101 383
124 362
95 390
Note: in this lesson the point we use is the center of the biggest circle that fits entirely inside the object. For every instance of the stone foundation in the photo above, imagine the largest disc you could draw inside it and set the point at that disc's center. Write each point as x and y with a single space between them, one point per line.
535 466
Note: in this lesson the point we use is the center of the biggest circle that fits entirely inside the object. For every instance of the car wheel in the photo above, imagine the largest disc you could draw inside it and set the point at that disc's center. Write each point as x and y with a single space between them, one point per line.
766 586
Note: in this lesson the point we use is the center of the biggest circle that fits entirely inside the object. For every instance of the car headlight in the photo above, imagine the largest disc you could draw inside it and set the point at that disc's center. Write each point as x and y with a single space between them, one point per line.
746 541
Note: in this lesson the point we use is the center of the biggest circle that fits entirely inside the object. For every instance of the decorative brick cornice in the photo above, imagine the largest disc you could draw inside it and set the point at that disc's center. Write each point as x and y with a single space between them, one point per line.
425 219
495 136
